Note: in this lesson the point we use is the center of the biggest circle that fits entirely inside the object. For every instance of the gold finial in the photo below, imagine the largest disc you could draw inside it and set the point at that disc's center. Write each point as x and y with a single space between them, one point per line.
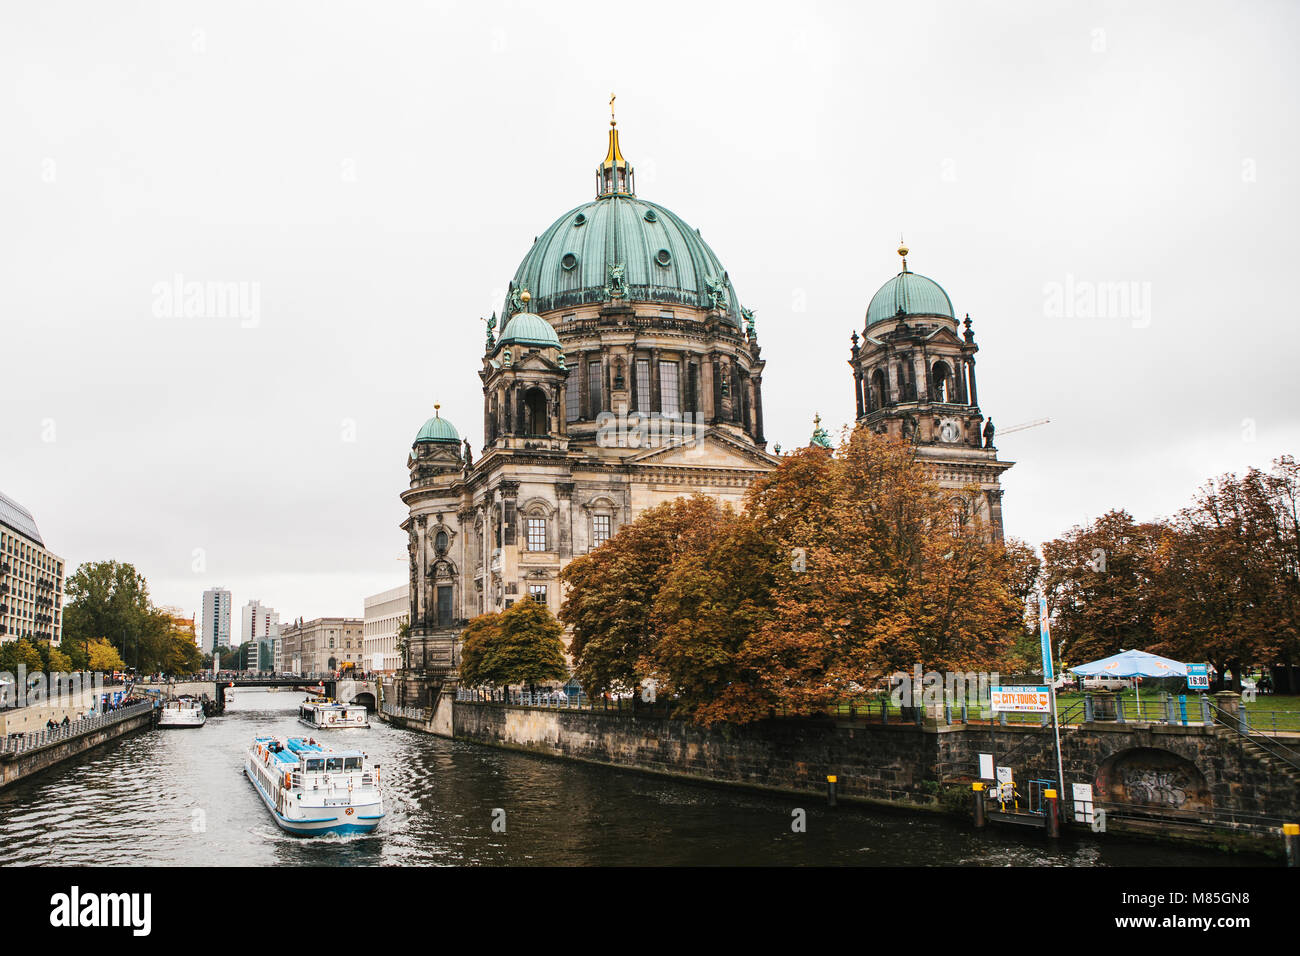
614 157
525 297
902 251
436 408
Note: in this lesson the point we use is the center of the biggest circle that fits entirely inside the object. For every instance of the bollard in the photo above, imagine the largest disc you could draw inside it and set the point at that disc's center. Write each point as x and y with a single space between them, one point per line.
1291 836
977 790
830 790
1053 815
1182 708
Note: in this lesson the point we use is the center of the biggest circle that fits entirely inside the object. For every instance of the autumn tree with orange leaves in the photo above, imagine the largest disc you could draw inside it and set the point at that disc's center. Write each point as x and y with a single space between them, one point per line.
844 567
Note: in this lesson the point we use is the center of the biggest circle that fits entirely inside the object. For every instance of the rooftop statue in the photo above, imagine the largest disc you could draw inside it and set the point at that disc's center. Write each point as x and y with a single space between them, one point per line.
820 437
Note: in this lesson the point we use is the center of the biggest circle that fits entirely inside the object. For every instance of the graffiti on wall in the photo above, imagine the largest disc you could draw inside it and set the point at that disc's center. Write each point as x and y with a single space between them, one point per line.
1151 777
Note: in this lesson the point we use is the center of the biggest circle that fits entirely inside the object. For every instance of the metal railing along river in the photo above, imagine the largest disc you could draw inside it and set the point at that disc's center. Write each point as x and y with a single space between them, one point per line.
17 743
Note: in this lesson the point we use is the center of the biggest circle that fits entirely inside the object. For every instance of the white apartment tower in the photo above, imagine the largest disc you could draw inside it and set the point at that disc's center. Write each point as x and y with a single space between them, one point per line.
216 619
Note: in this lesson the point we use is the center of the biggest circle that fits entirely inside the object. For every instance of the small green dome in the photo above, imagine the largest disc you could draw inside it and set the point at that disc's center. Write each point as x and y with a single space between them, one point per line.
438 429
525 328
910 294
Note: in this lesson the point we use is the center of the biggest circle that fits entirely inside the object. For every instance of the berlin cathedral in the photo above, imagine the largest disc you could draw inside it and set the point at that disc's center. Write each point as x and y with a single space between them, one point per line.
627 373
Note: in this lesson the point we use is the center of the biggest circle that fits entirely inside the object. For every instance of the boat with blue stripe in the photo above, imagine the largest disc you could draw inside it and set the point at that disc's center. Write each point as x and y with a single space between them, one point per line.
312 790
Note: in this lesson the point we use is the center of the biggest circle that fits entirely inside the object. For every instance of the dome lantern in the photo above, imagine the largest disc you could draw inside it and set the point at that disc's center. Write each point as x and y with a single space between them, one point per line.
615 176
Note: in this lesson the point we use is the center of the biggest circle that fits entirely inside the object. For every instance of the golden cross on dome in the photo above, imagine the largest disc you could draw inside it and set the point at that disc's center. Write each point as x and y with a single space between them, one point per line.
611 109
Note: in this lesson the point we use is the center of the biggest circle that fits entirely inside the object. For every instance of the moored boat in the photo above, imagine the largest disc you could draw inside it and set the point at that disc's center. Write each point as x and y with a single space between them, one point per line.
312 790
321 713
184 711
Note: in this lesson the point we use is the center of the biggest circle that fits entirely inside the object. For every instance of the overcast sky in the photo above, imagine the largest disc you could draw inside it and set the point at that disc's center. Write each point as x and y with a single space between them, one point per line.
372 173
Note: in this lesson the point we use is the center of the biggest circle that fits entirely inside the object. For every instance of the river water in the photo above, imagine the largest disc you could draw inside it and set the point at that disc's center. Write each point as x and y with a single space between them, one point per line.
179 797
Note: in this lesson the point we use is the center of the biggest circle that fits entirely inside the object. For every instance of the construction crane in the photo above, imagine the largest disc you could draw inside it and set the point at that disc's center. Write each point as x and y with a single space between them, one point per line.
1022 426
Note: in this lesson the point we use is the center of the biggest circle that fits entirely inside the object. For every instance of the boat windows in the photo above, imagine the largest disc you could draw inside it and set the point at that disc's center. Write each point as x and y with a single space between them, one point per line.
351 763
333 763
316 764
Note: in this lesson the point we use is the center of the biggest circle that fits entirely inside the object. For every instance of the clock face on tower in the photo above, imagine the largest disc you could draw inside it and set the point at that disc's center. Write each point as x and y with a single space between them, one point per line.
950 430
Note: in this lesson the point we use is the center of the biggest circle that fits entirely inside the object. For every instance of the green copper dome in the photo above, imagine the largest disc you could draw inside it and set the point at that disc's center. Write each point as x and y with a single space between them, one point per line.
524 328
438 429
910 294
662 258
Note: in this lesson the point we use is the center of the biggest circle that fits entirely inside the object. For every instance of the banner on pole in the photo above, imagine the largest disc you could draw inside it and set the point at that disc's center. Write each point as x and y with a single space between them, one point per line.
1045 638
1033 700
1198 677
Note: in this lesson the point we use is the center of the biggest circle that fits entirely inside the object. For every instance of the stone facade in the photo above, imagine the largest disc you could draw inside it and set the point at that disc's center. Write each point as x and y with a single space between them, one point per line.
609 400
914 379
320 646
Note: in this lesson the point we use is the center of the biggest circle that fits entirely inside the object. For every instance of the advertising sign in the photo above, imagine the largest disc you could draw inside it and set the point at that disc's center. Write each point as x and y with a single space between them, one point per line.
1198 676
1033 700
1045 638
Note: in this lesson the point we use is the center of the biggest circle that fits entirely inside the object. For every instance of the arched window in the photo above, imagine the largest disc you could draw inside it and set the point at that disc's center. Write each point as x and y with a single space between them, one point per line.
879 393
536 421
941 382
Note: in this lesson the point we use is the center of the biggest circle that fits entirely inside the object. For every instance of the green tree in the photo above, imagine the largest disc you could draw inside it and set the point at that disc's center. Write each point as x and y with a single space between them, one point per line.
21 652
521 645
108 599
56 660
103 656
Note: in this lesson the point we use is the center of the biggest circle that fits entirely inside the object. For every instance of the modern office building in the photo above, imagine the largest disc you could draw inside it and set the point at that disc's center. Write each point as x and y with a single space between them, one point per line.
31 579
216 619
260 628
320 646
384 613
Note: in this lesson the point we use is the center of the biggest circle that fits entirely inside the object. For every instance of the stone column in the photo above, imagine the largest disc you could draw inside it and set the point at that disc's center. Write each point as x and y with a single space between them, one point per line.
974 392
564 520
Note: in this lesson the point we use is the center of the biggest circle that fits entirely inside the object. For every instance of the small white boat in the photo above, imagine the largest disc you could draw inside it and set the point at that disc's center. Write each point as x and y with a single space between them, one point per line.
321 713
311 790
182 712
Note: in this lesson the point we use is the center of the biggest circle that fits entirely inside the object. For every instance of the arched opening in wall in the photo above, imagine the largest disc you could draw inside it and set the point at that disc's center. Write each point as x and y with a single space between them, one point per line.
1154 778
365 700
941 382
879 396
535 413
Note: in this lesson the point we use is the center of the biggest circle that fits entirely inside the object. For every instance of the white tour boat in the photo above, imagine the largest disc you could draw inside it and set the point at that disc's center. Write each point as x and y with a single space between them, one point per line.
312 790
321 713
182 712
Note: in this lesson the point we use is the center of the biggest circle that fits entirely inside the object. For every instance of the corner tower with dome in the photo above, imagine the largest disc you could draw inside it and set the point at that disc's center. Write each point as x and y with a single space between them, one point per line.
626 373
914 378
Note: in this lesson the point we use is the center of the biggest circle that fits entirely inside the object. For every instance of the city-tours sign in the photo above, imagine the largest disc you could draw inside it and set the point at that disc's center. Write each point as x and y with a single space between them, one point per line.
1032 700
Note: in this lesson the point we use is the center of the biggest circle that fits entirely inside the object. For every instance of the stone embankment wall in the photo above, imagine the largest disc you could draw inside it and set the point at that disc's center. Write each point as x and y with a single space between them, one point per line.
24 763
1168 768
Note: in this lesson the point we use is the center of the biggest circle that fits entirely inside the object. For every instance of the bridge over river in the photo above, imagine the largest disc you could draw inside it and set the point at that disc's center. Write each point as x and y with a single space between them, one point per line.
344 690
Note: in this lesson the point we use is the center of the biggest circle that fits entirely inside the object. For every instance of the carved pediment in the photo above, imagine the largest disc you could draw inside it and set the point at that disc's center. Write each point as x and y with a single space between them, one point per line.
715 449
